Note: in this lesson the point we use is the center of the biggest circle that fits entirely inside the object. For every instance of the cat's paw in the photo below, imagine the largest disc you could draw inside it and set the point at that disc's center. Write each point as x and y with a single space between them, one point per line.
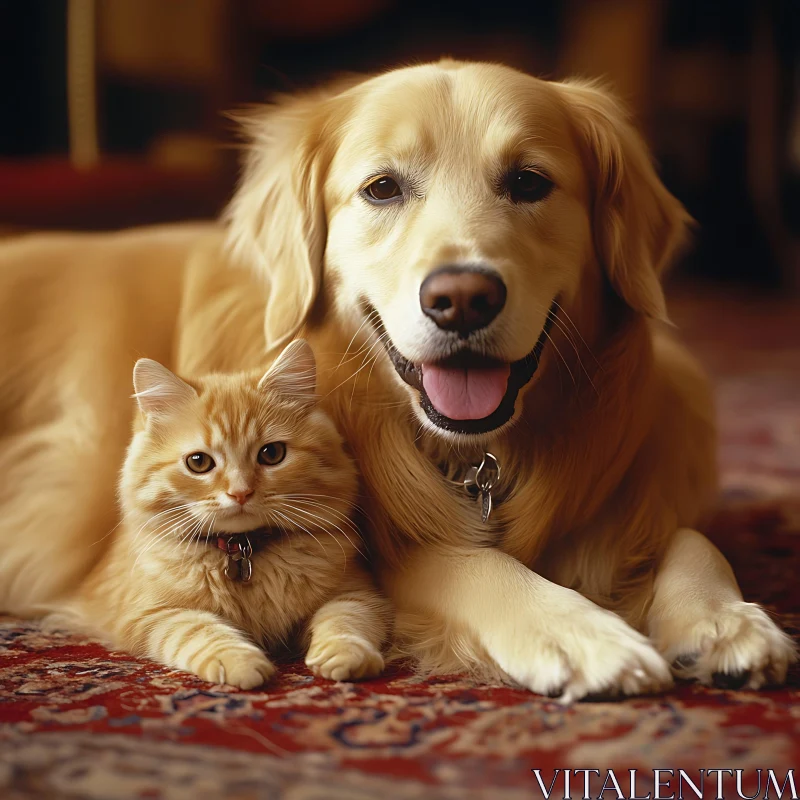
245 667
344 658
738 646
589 652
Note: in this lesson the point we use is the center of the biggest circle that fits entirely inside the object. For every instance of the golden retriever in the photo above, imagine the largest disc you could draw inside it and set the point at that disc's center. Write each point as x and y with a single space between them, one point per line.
475 255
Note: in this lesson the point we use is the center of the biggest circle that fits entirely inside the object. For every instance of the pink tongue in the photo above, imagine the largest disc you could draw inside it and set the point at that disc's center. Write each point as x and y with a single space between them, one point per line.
465 393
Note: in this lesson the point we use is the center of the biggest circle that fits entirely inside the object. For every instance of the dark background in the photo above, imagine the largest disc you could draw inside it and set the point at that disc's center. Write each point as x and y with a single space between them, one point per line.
715 87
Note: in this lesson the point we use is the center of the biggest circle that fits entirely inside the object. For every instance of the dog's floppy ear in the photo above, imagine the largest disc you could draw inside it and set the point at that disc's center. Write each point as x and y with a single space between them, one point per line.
276 219
638 225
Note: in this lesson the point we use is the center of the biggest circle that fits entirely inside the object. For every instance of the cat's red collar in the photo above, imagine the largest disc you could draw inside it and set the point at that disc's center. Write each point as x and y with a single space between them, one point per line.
229 542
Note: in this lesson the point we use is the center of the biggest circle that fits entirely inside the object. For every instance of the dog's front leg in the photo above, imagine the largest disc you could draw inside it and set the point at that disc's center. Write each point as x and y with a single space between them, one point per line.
463 607
703 627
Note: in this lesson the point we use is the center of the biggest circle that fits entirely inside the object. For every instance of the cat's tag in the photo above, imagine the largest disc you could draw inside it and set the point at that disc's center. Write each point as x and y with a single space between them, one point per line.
238 566
481 480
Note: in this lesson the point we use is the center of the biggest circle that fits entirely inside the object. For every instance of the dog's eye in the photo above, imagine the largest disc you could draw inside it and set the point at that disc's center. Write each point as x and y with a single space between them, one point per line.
383 189
527 186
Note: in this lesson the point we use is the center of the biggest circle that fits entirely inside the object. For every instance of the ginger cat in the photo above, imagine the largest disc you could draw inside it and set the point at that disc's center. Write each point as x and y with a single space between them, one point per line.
236 532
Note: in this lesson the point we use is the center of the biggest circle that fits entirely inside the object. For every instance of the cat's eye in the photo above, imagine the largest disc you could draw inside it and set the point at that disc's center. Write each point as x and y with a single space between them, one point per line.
272 453
200 463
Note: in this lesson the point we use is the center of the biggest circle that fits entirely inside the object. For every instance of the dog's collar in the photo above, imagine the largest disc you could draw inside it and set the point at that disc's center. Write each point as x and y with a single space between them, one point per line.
239 549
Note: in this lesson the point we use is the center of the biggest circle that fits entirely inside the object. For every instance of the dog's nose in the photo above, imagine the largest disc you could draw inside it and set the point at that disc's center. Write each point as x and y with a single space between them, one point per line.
463 299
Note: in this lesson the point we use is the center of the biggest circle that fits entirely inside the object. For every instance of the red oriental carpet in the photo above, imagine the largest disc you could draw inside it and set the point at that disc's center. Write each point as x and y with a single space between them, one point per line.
78 721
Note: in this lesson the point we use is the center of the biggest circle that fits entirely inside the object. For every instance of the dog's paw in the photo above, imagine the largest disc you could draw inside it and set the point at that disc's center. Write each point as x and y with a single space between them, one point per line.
737 647
344 658
245 667
588 652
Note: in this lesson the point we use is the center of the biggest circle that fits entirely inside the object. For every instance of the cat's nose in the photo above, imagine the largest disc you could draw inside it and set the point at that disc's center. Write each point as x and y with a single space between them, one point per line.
240 495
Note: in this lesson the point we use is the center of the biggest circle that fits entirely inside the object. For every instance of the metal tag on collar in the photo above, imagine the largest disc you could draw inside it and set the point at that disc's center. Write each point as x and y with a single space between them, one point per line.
480 481
238 566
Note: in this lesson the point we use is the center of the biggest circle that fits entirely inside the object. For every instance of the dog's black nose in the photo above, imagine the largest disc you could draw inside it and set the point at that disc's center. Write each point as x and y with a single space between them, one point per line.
463 299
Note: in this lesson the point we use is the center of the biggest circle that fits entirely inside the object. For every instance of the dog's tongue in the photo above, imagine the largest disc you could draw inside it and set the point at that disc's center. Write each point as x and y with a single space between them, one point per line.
461 393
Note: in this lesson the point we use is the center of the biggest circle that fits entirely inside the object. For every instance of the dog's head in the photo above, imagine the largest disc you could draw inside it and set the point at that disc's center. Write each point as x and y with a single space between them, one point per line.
454 208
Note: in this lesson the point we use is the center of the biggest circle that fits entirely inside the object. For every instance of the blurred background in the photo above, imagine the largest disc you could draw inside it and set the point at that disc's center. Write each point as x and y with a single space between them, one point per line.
111 111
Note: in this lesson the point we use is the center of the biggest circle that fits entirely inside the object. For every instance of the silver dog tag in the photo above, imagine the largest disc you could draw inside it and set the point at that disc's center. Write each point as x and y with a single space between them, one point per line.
486 506
481 480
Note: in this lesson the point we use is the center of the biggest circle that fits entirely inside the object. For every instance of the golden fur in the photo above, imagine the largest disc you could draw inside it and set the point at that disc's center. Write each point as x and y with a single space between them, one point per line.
160 591
607 463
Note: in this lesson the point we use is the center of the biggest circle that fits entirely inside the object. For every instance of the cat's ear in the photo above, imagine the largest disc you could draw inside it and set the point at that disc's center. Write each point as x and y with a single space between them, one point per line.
157 389
293 374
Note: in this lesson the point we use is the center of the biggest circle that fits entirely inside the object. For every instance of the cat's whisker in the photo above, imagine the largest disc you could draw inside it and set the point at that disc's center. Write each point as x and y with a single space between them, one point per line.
312 515
322 524
211 527
170 528
285 531
149 521
192 533
324 507
306 507
103 538
320 497
178 516
172 509
166 514
209 518
309 508
169 531
183 545
272 522
292 521
155 535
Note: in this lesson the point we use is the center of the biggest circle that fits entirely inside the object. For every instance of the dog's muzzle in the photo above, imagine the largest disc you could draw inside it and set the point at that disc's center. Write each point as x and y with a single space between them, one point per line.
468 393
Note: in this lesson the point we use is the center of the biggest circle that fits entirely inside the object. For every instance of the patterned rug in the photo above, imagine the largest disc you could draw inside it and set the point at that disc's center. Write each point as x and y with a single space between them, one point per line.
78 721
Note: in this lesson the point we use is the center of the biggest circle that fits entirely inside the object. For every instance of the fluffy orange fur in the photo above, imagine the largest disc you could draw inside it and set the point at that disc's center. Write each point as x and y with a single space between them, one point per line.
161 590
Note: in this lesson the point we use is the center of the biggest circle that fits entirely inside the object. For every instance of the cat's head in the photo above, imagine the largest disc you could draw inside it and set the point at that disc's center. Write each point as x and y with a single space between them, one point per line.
233 453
